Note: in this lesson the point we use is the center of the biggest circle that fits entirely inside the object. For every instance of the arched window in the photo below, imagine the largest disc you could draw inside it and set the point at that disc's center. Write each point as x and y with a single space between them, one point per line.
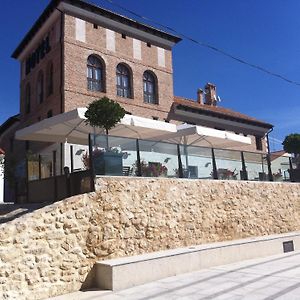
50 79
123 81
150 90
27 98
95 74
40 87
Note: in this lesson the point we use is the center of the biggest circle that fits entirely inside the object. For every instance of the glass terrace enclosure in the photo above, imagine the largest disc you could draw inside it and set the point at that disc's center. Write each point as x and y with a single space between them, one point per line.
119 156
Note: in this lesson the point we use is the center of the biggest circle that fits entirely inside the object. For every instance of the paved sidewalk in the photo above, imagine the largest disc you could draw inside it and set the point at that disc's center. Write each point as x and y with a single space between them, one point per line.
276 277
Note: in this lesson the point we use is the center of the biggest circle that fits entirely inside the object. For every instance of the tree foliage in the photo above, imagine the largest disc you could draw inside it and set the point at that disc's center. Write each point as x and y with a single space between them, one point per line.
104 113
291 143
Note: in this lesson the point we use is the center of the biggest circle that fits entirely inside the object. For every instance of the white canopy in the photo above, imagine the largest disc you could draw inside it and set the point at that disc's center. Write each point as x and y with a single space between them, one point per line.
71 127
194 135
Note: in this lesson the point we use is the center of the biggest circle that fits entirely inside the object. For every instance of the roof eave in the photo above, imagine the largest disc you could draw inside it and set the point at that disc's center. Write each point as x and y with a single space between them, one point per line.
222 115
85 5
9 122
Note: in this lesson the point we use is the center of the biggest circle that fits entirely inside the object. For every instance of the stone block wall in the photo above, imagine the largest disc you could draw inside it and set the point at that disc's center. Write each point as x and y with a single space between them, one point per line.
52 250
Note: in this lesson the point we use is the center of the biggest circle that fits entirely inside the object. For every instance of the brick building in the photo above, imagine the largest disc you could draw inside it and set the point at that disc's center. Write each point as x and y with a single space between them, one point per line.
77 52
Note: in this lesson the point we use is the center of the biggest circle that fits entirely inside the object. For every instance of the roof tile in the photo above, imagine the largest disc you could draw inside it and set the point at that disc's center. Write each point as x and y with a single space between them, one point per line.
218 110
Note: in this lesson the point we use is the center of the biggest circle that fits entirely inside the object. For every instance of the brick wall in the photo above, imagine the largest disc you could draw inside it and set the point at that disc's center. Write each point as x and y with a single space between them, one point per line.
76 92
50 102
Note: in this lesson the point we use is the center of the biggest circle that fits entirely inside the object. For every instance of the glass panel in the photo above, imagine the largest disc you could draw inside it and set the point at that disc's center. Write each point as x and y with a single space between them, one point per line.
47 166
256 165
229 164
199 162
97 74
114 156
150 88
150 99
89 72
280 167
119 80
158 159
120 92
125 81
126 93
33 167
89 83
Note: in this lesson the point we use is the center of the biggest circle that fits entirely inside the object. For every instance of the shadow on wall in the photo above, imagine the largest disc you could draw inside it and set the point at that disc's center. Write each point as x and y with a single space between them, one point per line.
90 281
10 212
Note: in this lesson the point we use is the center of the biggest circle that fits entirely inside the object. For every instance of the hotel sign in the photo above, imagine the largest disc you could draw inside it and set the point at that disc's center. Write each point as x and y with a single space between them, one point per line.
38 55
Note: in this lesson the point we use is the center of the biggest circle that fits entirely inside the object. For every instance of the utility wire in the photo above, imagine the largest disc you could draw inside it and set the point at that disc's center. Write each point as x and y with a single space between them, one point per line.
274 140
206 45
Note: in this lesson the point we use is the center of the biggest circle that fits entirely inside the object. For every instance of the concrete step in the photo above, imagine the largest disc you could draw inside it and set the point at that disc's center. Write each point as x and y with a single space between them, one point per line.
126 272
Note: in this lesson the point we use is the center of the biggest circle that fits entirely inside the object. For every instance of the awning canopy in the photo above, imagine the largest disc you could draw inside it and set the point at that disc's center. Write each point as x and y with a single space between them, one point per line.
194 135
71 127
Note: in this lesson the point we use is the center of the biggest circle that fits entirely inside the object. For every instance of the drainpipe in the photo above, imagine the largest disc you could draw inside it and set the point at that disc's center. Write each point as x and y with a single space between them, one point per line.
270 175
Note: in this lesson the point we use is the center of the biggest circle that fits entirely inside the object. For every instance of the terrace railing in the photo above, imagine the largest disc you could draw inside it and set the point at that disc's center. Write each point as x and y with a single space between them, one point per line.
119 156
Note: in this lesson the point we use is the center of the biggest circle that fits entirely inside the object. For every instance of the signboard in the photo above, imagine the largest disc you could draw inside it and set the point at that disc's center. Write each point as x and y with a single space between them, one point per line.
38 55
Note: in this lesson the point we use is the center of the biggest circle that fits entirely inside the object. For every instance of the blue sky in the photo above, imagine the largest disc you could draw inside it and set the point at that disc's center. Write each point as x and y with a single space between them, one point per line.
263 32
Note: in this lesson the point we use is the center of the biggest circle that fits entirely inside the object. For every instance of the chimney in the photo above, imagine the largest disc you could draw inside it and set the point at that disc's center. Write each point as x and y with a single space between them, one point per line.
200 96
210 94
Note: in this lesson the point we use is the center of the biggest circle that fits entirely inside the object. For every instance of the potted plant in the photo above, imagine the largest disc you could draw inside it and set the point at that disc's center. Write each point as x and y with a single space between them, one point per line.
105 113
291 144
152 169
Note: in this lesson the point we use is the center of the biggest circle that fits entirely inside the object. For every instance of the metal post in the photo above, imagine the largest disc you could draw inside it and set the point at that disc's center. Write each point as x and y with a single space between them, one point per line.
54 174
61 159
138 159
180 169
290 163
40 167
27 180
91 165
214 164
72 159
291 169
270 175
244 169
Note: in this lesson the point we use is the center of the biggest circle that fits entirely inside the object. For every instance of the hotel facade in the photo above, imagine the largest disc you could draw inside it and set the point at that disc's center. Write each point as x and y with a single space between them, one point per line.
77 52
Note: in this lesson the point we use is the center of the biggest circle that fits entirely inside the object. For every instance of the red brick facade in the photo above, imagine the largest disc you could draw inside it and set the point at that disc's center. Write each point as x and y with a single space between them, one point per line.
77 53
71 45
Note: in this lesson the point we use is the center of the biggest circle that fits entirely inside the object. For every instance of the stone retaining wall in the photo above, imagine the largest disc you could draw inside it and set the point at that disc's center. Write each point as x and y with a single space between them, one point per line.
52 250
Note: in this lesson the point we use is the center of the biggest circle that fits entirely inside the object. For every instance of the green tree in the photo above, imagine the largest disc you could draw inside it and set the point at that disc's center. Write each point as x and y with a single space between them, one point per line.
104 113
291 144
